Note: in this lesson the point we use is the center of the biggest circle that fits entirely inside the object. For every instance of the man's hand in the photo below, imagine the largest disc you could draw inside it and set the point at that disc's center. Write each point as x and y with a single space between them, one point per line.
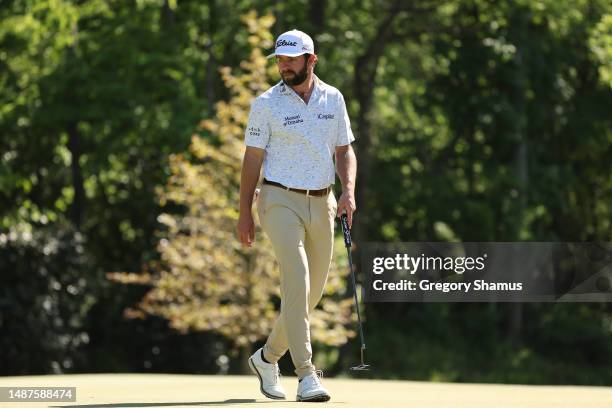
251 167
347 205
246 229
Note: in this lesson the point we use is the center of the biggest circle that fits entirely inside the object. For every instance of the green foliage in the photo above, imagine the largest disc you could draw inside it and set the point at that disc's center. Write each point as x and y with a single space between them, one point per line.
46 288
482 121
562 344
601 45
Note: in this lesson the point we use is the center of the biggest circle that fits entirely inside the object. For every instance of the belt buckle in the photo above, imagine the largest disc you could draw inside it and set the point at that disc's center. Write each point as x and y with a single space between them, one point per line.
307 193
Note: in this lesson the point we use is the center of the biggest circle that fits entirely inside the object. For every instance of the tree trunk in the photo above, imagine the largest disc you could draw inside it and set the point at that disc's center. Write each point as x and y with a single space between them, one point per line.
279 15
515 323
316 14
244 353
363 89
74 145
167 15
211 64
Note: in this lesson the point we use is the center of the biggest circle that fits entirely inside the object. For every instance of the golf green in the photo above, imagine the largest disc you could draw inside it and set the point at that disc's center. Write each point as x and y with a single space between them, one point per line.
163 390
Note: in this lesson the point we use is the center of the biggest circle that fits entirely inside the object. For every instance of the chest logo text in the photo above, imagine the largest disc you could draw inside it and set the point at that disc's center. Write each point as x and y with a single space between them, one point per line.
292 120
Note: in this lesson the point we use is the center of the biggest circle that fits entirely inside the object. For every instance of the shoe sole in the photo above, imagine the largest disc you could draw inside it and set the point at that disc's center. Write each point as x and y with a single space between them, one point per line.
314 398
256 372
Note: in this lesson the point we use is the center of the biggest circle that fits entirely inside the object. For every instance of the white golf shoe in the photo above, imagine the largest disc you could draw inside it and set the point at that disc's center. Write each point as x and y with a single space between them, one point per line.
310 389
269 376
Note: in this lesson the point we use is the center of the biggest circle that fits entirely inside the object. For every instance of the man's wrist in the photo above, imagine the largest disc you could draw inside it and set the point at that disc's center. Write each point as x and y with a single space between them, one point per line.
348 190
245 211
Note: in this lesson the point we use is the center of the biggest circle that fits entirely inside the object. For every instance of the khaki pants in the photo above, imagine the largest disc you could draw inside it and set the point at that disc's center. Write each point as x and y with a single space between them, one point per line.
301 229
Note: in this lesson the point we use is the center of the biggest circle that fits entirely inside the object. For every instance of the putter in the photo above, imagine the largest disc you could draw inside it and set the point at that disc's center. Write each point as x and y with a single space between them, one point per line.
347 243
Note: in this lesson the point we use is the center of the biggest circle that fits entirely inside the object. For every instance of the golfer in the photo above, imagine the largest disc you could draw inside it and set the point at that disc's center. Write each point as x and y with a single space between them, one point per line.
295 129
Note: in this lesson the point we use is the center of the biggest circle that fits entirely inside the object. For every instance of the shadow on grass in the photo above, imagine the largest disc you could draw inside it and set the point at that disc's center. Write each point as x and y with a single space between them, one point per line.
162 404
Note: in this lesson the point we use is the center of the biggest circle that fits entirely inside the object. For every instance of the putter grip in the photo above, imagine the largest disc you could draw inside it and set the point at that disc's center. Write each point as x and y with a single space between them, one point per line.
346 231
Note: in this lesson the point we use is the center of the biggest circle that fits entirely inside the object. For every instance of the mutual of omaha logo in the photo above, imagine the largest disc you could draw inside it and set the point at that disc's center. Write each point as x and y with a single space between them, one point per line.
292 120
325 116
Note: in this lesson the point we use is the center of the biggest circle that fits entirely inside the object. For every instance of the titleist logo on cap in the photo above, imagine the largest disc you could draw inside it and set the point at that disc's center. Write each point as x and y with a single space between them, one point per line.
283 43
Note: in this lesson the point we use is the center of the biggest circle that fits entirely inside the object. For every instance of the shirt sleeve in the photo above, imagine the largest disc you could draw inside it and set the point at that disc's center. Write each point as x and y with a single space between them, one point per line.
257 132
345 134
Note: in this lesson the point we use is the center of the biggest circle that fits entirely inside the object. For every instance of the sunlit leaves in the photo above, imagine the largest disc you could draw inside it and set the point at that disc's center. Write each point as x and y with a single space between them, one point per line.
601 45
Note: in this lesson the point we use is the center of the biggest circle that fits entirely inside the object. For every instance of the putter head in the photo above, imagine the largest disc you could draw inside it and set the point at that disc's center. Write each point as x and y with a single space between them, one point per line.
361 367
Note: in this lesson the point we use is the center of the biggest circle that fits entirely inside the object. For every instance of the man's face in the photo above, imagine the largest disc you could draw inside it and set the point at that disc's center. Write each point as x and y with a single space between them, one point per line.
293 70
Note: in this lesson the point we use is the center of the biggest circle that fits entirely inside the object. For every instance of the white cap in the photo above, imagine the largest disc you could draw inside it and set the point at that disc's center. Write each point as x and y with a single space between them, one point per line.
293 43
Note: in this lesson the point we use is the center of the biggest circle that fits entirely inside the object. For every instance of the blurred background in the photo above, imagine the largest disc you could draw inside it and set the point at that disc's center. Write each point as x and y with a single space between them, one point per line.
121 128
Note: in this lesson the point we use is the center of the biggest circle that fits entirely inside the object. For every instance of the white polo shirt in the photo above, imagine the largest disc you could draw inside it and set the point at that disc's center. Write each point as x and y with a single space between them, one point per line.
299 139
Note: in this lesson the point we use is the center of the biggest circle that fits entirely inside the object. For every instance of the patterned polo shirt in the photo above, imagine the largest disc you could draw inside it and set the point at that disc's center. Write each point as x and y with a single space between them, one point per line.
299 139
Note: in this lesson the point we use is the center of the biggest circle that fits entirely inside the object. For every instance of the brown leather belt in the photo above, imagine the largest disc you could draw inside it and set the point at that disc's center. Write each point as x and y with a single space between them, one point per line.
316 193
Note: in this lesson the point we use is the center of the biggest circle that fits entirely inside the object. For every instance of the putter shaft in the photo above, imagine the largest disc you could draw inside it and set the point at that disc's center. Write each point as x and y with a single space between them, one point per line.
347 243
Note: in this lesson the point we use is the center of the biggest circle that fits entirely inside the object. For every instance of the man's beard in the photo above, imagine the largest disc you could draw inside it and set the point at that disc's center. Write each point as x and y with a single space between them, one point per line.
298 78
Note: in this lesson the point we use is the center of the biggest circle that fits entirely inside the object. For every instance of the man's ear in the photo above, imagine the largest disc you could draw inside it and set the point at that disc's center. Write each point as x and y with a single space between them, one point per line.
312 60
